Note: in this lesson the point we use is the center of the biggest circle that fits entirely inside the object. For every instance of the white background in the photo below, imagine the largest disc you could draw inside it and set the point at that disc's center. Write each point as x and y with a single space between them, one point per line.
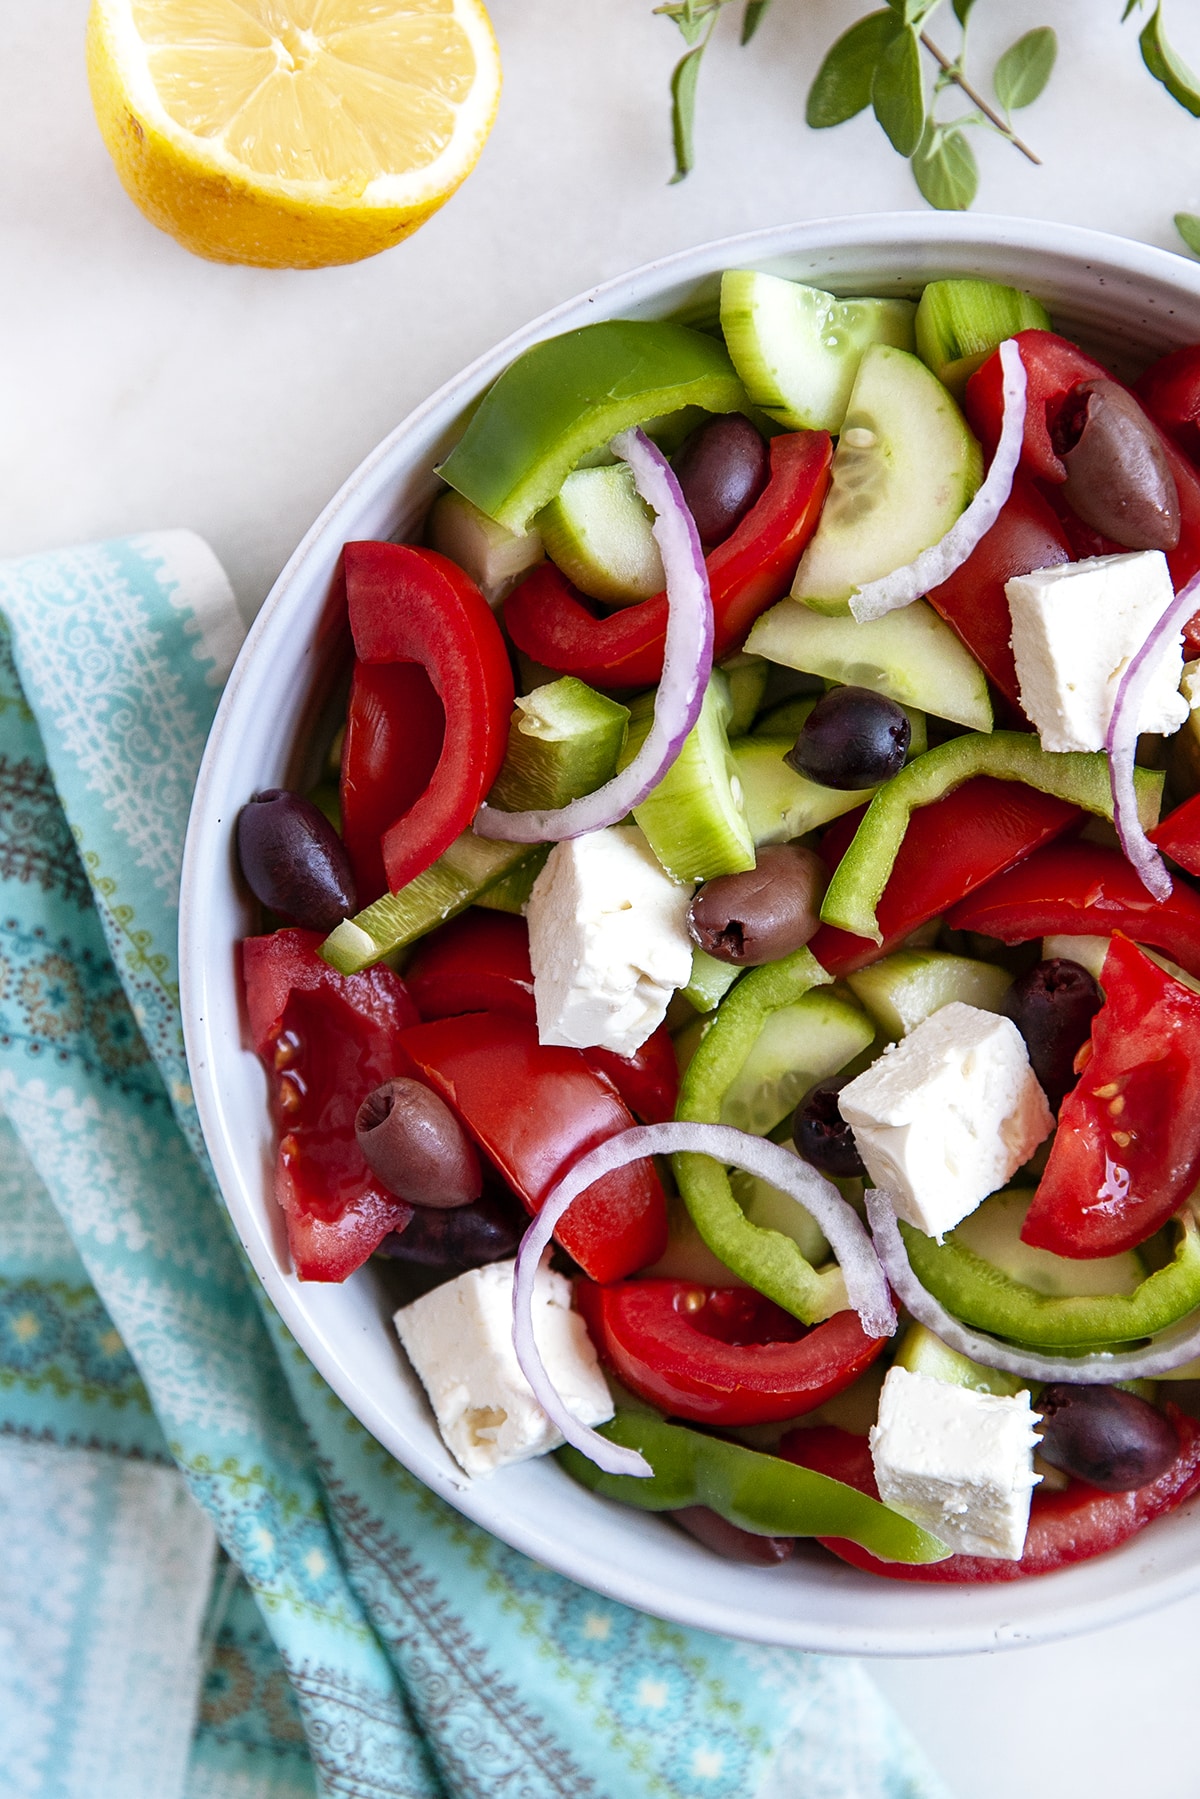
140 387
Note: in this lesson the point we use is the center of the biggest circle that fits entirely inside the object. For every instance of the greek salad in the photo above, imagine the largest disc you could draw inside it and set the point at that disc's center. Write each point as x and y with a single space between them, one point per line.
739 973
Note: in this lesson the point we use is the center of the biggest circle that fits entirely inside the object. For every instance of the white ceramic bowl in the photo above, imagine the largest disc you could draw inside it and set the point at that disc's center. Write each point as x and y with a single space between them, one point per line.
1127 303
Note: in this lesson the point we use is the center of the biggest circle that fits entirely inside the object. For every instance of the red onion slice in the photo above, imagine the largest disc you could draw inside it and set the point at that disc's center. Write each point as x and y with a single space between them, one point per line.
1122 735
1170 1349
866 1288
687 664
938 563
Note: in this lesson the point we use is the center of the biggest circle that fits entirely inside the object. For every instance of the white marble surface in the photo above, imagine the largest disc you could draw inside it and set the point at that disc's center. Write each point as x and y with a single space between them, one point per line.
140 387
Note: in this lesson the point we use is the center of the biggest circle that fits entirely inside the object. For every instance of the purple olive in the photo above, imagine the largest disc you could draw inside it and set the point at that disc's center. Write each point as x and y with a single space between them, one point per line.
1053 1006
769 911
414 1144
852 738
294 861
730 1540
721 469
1118 479
1105 1436
451 1242
821 1134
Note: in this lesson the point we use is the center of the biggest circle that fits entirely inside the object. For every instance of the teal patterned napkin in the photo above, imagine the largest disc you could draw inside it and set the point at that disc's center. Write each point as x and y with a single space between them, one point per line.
423 1659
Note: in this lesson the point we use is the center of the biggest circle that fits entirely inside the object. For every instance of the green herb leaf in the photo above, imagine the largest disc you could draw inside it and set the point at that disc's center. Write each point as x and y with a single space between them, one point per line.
752 18
962 9
945 170
1131 6
683 110
842 85
1188 226
911 12
1166 67
897 93
1025 68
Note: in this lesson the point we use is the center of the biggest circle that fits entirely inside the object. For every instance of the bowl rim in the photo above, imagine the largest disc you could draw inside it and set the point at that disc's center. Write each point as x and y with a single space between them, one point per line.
915 231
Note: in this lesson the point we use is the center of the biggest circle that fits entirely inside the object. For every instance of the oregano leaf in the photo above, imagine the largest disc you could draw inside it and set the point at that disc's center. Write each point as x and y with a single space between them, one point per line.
1167 67
897 92
752 18
842 85
1131 6
1025 68
683 110
945 169
1188 226
962 10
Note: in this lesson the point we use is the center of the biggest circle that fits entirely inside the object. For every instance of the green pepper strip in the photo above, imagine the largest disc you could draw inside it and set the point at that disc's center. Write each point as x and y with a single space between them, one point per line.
1080 777
759 1493
982 1295
568 396
765 1258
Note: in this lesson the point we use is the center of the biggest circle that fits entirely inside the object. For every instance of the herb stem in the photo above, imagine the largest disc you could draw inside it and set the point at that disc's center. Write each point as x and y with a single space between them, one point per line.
955 74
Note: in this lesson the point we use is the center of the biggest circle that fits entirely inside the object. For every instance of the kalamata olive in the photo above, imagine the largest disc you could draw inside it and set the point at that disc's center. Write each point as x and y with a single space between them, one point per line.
411 1139
1053 1006
722 469
730 1540
765 913
467 1237
1105 1436
1118 478
294 860
821 1134
851 738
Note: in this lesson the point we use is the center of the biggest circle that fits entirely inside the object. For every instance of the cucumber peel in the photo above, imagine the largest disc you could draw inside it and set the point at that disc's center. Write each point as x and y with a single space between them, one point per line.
598 530
959 324
563 741
694 820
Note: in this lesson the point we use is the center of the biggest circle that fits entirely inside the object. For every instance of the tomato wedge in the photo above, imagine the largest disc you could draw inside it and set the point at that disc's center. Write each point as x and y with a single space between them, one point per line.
721 1355
1064 1527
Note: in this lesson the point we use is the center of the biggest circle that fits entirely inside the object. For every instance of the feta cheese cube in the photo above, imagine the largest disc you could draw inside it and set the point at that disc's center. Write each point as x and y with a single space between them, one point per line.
459 1340
608 941
1075 629
958 1462
947 1115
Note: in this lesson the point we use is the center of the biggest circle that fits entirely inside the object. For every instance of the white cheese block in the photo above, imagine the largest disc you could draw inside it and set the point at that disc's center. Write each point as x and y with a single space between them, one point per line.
608 941
958 1462
459 1340
947 1115
1075 629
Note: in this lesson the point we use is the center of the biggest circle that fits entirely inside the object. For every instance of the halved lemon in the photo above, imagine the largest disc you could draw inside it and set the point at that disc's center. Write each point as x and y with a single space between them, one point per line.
292 133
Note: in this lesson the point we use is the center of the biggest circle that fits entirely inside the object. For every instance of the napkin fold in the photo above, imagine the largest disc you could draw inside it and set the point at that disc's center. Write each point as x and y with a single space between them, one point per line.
360 1637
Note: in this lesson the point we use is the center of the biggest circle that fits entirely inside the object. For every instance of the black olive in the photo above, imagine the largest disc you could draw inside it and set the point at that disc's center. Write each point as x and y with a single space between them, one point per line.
730 1540
765 913
467 1237
294 861
852 738
412 1141
1118 479
1105 1436
821 1134
1053 1006
721 469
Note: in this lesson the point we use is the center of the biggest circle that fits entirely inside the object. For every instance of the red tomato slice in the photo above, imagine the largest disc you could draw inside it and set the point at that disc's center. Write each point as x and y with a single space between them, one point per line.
1069 1526
1170 392
394 730
721 1355
1127 1151
534 1110
1178 835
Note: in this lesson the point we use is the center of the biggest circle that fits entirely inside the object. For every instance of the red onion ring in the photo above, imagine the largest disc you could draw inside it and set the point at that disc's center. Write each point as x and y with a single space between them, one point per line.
1170 1349
938 563
1121 742
866 1288
687 664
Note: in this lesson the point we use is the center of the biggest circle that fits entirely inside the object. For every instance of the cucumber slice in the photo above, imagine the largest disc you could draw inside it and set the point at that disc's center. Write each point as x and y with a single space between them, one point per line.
511 892
461 874
1089 952
993 1232
694 820
494 557
960 323
923 1353
773 1210
911 655
597 529
905 467
780 804
901 990
798 1045
710 981
563 742
797 348
747 678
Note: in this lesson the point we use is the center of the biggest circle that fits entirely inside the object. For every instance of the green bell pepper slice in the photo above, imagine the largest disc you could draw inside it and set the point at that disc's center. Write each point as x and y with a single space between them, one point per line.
568 396
1078 776
757 1492
765 1258
982 1295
